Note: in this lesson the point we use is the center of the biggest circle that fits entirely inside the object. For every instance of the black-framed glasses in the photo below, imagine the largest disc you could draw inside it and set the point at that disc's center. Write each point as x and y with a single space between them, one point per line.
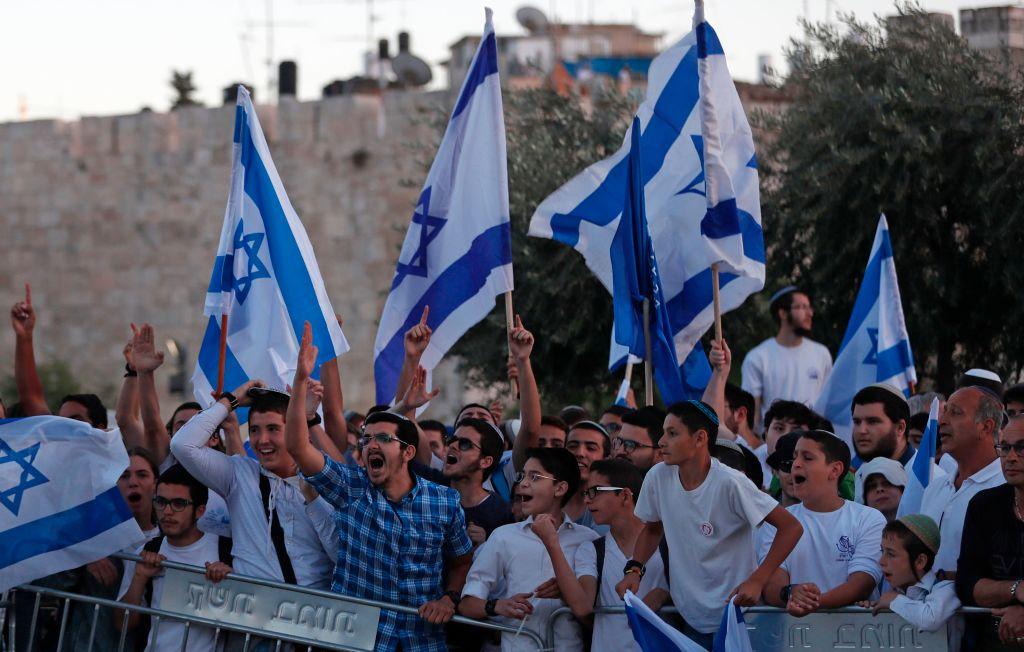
1002 450
785 466
177 504
612 427
463 443
629 445
590 493
381 438
532 476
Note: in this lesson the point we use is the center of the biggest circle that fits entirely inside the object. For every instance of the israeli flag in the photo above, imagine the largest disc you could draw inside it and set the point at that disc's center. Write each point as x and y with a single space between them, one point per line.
457 254
265 277
876 347
701 190
652 633
52 519
732 635
922 467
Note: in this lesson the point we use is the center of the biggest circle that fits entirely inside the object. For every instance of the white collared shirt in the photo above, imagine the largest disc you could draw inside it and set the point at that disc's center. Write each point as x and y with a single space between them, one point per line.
947 505
515 556
310 533
929 604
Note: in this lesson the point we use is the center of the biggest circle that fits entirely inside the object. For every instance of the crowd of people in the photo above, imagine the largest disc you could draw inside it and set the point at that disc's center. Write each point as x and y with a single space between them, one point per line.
746 494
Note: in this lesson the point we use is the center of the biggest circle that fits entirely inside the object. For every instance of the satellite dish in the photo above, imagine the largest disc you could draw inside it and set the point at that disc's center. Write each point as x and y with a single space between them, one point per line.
532 19
411 70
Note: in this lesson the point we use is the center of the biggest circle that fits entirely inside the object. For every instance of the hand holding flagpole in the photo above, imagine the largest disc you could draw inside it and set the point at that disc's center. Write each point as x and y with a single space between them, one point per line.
509 326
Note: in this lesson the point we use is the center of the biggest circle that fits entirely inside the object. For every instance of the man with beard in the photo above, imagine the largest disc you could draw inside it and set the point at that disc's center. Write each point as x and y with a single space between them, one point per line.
789 366
401 532
470 457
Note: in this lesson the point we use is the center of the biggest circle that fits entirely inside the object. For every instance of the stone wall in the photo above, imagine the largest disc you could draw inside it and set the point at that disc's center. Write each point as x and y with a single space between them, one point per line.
116 220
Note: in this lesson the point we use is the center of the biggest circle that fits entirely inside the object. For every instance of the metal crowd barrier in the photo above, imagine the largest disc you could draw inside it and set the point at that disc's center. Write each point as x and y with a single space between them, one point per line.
258 609
771 628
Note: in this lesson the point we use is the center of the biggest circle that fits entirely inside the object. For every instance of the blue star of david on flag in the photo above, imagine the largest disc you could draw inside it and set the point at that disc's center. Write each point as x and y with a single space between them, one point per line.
30 475
430 226
872 356
696 185
250 244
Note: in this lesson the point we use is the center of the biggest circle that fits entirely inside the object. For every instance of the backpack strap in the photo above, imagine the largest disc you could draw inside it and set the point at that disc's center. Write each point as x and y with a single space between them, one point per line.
663 549
599 548
153 545
276 532
224 550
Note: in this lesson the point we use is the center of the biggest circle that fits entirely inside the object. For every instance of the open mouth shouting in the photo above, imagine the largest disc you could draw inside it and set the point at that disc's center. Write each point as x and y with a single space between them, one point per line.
375 461
134 499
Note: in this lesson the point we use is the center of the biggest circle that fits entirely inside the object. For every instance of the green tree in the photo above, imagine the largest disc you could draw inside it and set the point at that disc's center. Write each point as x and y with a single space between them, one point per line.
550 139
902 117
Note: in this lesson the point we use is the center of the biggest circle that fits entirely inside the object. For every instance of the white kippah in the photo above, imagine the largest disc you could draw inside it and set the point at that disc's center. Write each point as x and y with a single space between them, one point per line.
984 374
892 390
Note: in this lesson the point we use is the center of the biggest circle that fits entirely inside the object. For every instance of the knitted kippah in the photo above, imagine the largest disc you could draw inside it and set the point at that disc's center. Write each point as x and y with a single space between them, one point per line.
924 528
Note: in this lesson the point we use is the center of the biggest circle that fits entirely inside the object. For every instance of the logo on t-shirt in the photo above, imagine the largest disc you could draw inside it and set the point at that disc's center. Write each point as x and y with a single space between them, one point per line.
707 529
846 548
813 374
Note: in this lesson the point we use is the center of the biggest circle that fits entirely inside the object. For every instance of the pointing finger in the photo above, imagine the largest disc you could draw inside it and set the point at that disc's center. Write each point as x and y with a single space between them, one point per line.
423 319
28 294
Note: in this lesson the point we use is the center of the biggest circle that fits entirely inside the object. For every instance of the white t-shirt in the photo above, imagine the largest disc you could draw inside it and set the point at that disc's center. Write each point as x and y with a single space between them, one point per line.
791 373
710 535
833 546
611 631
170 632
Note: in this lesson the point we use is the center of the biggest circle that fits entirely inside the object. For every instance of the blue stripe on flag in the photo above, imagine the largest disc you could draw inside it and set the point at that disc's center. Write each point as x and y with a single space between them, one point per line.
485 65
866 301
726 219
674 106
895 360
209 355
64 529
239 121
707 41
290 269
457 284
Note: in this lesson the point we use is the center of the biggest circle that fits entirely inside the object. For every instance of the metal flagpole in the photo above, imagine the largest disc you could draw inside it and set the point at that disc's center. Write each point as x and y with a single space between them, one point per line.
648 358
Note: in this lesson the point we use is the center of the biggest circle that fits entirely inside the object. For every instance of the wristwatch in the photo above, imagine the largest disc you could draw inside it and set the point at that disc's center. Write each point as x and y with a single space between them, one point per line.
315 421
785 592
633 566
489 607
1013 590
455 597
129 372
232 401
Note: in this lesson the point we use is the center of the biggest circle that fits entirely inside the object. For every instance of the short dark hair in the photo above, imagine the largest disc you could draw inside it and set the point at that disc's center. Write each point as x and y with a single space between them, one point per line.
431 424
794 411
737 397
177 474
834 448
94 408
912 543
471 405
407 432
1014 393
380 407
895 408
784 302
621 473
146 454
573 413
552 420
562 465
492 444
649 418
593 426
918 421
188 405
617 410
275 402
695 416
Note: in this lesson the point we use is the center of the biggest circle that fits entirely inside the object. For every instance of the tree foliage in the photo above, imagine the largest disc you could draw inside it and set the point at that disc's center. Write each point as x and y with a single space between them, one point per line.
550 139
903 118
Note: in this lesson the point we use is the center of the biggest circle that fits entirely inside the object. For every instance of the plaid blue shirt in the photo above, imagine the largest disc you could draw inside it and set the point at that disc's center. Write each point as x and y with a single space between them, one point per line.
394 552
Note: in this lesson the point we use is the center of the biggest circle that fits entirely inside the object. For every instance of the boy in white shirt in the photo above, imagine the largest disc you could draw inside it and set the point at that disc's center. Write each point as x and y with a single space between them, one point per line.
519 560
708 513
179 503
835 564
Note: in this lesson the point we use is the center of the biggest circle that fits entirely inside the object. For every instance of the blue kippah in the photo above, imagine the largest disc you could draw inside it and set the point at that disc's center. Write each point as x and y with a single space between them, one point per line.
783 291
708 412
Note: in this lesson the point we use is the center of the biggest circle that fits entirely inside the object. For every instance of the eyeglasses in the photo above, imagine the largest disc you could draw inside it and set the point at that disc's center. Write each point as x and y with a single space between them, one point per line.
629 445
532 476
590 493
177 504
381 438
612 427
463 443
1002 450
786 466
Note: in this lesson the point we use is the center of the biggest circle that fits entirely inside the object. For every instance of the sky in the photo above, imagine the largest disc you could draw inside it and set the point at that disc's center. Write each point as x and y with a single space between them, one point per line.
68 58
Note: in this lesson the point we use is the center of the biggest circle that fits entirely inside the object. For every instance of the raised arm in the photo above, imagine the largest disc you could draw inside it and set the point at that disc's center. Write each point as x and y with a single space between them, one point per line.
296 432
147 360
314 395
415 397
126 412
520 344
721 363
416 340
26 376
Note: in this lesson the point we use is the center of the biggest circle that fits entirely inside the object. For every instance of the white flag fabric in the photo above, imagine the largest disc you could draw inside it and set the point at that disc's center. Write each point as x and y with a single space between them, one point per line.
701 194
876 347
922 468
60 506
457 254
265 276
652 633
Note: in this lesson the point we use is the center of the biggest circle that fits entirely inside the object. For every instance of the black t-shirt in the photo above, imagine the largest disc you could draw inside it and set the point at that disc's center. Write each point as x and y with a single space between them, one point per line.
491 514
992 545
